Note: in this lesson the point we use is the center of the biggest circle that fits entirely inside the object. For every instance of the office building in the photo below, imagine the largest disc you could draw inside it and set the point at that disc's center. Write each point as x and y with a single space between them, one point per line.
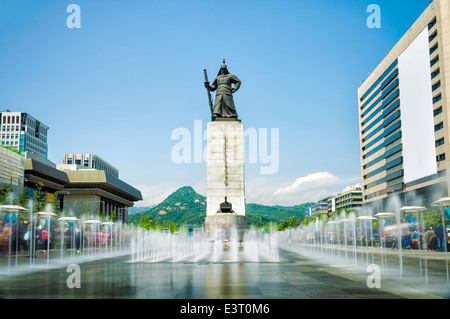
350 199
23 132
319 208
404 116
90 160
11 168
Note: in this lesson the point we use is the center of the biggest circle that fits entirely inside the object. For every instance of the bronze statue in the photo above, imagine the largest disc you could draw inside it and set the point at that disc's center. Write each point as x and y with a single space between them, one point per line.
223 85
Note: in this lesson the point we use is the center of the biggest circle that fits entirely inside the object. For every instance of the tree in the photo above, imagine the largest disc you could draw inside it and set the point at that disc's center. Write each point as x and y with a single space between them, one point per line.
113 216
23 198
40 197
56 206
5 191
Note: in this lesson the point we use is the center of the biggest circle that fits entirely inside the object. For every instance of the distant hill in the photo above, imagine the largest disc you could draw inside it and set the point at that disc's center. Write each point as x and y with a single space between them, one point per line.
186 206
134 210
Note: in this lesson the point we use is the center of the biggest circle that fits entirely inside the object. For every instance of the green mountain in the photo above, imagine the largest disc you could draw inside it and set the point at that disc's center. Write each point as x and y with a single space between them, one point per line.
186 207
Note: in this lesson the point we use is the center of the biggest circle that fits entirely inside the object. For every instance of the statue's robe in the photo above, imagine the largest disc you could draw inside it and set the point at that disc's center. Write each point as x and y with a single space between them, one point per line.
224 103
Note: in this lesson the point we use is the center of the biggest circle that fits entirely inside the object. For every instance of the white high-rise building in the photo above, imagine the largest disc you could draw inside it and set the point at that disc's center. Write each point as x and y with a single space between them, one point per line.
23 132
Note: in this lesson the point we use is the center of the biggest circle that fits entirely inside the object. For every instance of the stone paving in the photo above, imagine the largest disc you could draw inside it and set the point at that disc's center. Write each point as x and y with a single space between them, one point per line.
293 277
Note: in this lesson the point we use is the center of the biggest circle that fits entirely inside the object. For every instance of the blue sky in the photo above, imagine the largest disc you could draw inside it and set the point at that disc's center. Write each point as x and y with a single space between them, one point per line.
133 73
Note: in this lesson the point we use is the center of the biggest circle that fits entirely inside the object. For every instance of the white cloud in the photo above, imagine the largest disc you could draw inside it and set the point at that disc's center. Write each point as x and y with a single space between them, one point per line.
152 195
309 182
305 189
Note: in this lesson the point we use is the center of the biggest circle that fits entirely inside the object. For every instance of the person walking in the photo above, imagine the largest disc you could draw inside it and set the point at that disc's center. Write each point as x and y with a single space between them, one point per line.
44 237
439 231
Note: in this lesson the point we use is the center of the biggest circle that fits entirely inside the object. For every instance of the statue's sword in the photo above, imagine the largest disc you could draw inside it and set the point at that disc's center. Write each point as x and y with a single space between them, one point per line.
209 92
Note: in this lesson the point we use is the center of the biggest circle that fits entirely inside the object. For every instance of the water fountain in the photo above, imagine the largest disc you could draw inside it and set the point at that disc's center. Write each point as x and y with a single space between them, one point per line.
419 210
382 237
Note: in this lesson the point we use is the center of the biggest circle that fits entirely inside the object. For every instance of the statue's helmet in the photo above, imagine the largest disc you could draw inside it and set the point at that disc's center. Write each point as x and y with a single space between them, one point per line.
223 68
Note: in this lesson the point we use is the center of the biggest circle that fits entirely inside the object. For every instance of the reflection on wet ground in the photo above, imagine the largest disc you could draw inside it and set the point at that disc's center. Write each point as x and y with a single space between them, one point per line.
293 277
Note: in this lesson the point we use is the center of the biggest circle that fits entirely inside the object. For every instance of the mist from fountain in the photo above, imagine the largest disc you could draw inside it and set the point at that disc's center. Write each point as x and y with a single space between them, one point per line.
348 240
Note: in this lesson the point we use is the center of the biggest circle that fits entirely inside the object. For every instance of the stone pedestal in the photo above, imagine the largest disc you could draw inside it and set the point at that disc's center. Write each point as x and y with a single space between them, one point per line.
222 226
225 173
225 166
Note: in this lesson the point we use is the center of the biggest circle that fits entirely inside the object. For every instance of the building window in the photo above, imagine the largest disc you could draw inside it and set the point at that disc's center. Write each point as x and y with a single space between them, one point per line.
437 99
435 74
433 36
440 142
434 61
432 24
434 48
438 127
436 86
440 158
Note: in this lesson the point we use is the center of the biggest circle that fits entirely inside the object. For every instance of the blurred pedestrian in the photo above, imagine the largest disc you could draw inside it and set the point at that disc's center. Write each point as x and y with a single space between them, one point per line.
415 240
439 231
433 243
44 236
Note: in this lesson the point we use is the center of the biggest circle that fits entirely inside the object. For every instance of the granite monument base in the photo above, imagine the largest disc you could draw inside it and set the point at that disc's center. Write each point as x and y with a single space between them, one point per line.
222 226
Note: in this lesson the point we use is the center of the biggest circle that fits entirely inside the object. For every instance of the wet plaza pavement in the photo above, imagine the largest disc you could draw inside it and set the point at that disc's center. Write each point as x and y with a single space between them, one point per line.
293 277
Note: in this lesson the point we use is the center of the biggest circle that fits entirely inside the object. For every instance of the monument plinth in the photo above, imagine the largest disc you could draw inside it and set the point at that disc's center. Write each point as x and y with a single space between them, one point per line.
225 159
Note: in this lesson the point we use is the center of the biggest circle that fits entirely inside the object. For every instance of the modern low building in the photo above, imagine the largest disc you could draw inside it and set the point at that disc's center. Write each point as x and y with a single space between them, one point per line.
39 169
404 116
95 192
12 163
23 132
319 208
90 160
350 198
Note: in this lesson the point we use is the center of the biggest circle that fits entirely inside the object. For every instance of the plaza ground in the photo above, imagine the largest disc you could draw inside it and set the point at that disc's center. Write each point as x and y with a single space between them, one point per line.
294 276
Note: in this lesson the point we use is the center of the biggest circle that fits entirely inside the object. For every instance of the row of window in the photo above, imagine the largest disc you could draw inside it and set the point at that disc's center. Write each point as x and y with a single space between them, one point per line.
387 142
12 128
386 112
386 155
384 92
7 136
389 165
388 178
386 132
381 78
11 119
10 143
